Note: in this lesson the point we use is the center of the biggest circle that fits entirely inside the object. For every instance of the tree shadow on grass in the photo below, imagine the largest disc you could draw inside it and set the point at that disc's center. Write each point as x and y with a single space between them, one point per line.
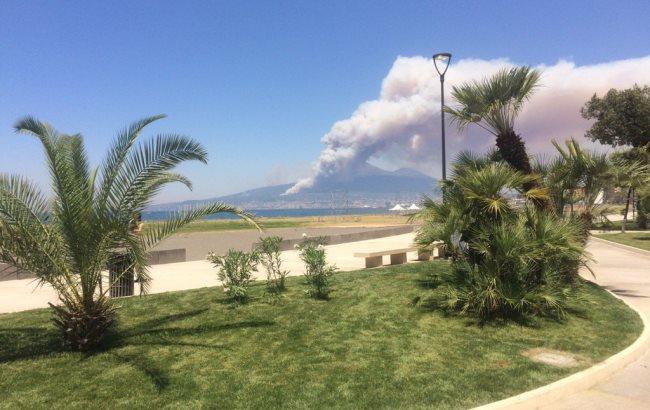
18 343
145 335
625 292
157 376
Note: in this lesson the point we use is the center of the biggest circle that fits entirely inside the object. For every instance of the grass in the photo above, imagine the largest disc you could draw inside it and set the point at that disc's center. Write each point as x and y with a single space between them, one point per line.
616 226
294 222
639 240
367 347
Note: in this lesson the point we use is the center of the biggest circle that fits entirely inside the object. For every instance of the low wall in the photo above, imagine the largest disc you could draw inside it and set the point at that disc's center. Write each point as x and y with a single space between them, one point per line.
288 244
167 256
155 258
10 273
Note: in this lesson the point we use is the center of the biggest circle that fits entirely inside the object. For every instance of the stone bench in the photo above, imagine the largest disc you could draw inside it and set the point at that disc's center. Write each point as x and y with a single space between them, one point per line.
398 256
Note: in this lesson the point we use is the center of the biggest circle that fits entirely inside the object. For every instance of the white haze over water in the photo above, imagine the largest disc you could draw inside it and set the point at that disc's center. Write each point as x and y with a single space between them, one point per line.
402 126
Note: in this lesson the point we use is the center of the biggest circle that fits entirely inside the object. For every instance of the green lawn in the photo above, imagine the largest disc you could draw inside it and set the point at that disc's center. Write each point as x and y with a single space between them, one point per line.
616 226
236 224
367 347
638 240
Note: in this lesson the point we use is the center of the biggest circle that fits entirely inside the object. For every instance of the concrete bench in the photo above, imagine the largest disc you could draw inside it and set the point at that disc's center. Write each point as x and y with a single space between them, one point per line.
398 256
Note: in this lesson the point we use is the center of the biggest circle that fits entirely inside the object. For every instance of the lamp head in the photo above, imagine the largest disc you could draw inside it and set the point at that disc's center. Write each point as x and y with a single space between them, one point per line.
441 62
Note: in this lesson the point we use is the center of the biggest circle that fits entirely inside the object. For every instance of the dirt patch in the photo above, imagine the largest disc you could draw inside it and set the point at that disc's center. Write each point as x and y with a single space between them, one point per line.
551 357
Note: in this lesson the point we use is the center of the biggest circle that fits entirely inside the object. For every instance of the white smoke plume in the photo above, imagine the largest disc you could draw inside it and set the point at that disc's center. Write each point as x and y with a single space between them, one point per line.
402 126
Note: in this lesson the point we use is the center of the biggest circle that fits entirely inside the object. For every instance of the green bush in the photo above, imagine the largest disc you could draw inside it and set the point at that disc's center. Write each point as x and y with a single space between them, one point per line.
317 271
235 271
269 254
510 259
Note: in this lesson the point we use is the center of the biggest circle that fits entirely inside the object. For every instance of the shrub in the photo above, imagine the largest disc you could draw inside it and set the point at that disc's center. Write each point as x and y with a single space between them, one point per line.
317 271
235 271
268 252
508 261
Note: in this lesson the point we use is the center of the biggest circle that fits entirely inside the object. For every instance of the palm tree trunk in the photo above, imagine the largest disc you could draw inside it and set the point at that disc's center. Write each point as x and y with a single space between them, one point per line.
627 207
642 217
513 150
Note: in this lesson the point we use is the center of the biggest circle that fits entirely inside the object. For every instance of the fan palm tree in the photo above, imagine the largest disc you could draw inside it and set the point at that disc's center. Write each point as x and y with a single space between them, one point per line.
493 104
554 176
475 195
68 240
508 259
585 174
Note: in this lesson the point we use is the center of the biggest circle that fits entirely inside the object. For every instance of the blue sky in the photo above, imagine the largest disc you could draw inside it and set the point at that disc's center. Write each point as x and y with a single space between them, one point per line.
259 83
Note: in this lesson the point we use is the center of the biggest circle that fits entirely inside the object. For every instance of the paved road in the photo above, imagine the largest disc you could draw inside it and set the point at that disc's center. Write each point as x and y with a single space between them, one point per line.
627 274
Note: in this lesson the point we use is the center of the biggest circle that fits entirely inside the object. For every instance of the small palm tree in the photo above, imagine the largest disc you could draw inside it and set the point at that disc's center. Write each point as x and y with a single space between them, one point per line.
585 174
68 240
493 104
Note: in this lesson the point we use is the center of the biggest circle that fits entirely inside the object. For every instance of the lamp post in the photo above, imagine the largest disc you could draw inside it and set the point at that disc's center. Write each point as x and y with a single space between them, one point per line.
443 60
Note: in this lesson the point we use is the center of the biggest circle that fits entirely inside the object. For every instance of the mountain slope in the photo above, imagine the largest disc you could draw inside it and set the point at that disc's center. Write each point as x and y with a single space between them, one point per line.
366 186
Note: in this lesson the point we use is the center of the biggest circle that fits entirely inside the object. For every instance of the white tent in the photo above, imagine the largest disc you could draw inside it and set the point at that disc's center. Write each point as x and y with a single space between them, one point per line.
414 207
397 207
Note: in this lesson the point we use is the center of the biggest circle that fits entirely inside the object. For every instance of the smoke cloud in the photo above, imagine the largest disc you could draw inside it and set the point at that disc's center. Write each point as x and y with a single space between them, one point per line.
402 126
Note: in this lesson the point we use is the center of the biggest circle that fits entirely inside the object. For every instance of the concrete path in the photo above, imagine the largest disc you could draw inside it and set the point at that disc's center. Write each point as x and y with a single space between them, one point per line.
626 273
19 295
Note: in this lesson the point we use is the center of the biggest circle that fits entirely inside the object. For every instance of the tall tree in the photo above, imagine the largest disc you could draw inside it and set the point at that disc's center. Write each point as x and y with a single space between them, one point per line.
622 117
67 241
493 104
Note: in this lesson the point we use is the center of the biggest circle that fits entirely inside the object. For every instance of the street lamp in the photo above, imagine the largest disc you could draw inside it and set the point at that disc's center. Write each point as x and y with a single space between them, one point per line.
441 62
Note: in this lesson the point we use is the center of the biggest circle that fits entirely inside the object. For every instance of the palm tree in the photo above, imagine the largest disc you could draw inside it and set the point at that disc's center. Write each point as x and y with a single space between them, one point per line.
630 171
68 240
585 175
493 104
554 176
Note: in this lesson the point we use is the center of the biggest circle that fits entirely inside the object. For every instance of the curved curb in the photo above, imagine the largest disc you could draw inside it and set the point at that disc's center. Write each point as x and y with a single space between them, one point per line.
583 380
639 251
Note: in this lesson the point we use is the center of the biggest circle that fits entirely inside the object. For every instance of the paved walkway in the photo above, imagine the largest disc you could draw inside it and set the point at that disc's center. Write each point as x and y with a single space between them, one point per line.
19 295
627 274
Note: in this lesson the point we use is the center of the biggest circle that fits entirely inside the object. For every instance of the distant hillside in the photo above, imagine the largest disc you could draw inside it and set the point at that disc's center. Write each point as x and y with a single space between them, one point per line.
366 186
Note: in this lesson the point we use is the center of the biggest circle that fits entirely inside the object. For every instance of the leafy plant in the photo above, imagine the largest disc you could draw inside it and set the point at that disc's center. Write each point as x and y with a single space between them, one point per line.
67 240
622 117
269 255
317 271
235 271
